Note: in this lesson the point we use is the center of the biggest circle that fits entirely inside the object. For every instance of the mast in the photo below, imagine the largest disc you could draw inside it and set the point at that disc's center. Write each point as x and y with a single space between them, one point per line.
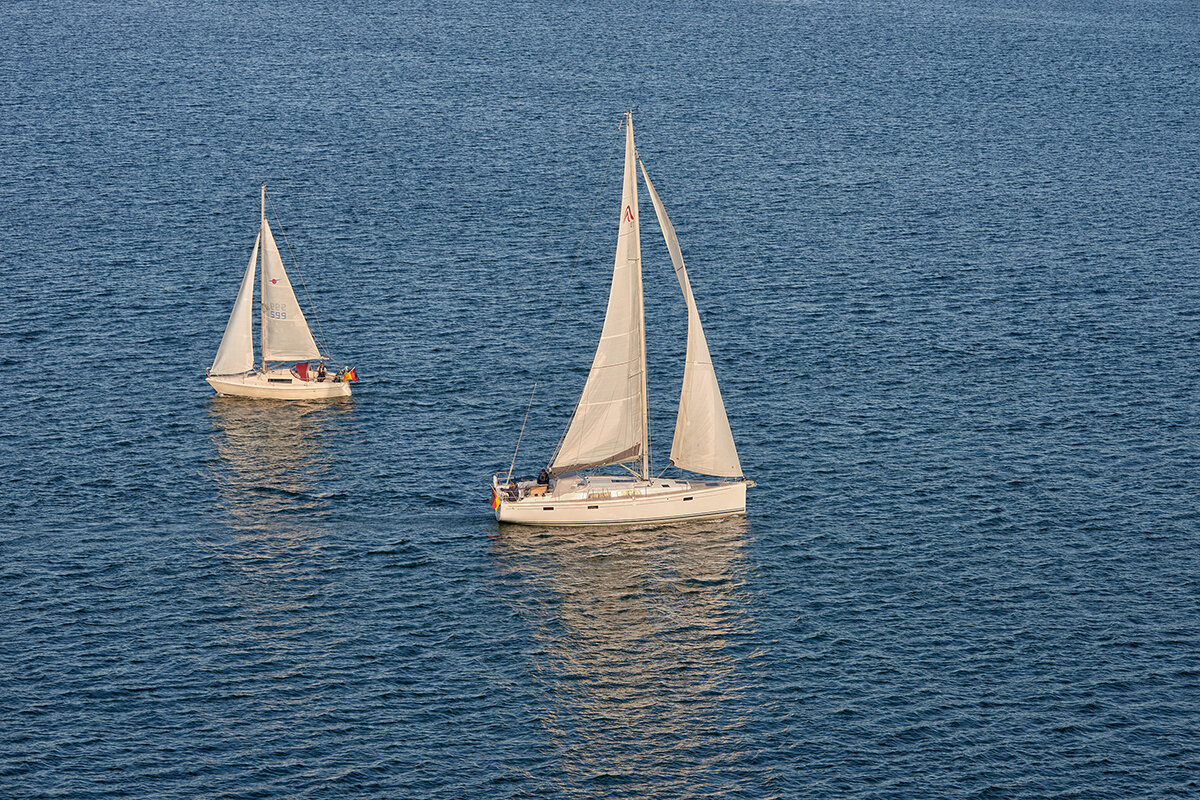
631 154
262 223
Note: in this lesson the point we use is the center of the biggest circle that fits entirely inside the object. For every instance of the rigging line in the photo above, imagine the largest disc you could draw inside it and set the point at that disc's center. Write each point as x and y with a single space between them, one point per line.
296 263
562 301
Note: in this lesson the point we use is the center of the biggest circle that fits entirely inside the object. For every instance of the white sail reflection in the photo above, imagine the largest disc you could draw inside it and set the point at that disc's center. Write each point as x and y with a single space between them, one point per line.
275 460
275 463
643 658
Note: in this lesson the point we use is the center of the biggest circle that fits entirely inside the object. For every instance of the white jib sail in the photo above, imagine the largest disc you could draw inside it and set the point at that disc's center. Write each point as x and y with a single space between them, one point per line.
703 440
609 424
236 353
285 333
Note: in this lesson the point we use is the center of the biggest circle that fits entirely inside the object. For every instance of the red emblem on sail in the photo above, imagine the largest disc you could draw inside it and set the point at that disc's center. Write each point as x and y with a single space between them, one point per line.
274 280
628 215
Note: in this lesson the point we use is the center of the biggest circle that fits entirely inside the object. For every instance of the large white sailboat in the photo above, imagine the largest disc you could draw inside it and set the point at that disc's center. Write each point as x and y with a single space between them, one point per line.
610 425
285 337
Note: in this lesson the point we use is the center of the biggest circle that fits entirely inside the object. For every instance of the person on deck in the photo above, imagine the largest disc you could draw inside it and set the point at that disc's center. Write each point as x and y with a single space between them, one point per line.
321 371
544 478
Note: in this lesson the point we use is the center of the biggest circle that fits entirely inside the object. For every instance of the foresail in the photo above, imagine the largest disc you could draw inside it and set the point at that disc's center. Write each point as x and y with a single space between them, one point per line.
285 333
236 353
703 440
609 424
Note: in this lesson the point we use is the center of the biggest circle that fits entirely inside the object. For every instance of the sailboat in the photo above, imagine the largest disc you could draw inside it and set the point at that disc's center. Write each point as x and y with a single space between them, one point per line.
610 426
285 337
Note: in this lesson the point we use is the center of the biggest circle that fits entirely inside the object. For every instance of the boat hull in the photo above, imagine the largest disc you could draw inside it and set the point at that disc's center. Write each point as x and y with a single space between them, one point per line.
277 385
616 501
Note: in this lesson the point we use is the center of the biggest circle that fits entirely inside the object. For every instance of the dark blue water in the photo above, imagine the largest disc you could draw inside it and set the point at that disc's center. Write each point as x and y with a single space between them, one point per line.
947 259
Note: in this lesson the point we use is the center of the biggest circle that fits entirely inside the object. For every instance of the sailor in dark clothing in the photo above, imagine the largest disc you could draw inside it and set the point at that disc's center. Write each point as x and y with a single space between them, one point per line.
544 478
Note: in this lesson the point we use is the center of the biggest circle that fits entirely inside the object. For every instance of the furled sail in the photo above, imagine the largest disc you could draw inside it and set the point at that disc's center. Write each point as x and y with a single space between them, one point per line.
285 333
703 440
236 353
609 424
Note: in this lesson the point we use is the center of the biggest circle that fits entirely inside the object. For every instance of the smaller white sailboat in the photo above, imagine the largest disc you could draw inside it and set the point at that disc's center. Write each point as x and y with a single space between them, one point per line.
610 426
284 333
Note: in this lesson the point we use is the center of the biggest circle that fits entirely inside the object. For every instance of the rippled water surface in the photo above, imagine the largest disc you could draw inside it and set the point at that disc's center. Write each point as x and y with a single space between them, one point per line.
947 259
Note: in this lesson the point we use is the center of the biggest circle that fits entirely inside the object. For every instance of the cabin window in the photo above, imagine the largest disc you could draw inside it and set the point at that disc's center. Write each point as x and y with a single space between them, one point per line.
687 498
279 380
590 507
547 508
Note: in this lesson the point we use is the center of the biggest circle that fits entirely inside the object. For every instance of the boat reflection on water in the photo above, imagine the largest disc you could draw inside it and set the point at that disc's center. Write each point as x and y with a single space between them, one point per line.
644 650
275 470
276 459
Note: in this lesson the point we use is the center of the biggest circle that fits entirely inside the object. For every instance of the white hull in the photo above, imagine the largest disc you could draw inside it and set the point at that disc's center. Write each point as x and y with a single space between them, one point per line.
618 501
278 384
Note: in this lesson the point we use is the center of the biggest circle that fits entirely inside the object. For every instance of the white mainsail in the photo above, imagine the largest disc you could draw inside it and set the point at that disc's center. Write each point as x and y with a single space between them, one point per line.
610 425
285 333
703 440
236 353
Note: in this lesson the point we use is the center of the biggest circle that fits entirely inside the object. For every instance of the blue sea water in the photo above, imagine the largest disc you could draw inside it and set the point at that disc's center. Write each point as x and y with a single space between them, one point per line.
946 254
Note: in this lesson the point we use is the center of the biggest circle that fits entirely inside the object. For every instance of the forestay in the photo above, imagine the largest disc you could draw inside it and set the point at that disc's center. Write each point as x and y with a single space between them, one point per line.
285 333
236 353
609 423
703 440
